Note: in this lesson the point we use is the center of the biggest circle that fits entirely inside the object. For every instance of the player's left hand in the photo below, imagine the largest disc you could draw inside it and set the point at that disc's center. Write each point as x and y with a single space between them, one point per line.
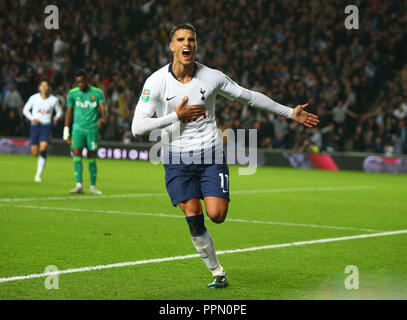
101 123
55 120
303 117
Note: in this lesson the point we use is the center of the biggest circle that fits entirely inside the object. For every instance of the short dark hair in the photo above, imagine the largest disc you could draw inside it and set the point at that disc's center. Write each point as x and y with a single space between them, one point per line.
80 73
44 80
182 26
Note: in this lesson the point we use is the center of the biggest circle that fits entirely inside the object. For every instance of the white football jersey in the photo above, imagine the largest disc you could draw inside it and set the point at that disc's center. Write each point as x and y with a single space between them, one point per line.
42 108
162 92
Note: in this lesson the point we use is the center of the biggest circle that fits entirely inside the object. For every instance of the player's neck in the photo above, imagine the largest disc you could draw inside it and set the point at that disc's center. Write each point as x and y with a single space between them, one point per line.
85 88
184 73
44 95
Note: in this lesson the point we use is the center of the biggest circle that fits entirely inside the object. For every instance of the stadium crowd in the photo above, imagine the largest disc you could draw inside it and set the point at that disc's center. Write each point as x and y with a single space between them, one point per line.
293 51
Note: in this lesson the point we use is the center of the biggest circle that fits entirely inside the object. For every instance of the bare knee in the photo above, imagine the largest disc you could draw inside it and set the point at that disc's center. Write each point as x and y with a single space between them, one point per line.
217 215
34 150
216 208
191 207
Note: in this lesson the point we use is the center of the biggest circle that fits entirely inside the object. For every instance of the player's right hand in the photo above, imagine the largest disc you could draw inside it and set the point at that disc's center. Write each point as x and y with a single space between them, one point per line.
188 112
36 121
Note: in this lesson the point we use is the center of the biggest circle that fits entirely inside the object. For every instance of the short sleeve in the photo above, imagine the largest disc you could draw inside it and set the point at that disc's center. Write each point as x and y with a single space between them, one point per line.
101 97
69 100
227 87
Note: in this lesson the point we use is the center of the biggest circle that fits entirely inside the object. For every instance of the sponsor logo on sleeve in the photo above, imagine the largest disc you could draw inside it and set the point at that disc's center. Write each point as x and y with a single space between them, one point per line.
145 96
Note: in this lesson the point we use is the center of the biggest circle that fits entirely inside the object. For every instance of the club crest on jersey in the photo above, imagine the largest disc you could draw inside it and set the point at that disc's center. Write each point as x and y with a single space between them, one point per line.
145 96
203 94
92 97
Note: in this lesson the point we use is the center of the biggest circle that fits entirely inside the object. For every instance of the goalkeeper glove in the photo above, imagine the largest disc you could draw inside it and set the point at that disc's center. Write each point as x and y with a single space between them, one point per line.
66 133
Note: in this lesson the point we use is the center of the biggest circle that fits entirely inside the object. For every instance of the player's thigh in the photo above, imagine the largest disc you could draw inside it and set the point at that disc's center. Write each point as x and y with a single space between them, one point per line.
78 139
92 139
191 207
43 145
215 190
34 136
182 183
216 207
214 181
45 135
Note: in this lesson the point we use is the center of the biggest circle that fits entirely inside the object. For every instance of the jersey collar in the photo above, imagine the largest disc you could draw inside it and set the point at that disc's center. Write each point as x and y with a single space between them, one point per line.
173 74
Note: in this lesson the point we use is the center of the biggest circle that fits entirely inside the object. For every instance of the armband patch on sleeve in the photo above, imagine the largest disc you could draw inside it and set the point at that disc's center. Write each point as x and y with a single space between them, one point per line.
145 96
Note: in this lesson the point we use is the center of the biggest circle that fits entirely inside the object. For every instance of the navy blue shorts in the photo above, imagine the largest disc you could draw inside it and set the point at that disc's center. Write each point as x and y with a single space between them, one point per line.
39 133
189 181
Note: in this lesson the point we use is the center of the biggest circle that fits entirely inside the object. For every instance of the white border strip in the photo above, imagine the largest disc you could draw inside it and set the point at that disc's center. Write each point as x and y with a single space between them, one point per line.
190 256
182 217
160 194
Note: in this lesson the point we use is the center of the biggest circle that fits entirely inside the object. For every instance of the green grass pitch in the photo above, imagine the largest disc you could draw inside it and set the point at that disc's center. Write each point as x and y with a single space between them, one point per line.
42 225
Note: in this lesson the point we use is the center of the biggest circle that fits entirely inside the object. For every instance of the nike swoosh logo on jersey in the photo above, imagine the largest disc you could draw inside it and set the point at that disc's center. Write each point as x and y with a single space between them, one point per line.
168 99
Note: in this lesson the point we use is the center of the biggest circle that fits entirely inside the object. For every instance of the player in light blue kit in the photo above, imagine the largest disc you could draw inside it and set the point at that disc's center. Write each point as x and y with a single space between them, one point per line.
167 92
39 109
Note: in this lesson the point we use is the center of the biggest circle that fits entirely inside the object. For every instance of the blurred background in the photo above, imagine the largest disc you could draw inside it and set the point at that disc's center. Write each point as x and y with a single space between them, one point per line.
293 51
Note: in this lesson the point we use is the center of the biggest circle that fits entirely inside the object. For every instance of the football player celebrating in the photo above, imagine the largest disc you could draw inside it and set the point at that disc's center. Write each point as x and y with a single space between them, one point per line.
182 94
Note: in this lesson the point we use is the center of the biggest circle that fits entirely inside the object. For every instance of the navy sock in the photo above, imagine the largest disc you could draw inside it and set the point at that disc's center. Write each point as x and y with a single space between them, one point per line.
196 225
43 153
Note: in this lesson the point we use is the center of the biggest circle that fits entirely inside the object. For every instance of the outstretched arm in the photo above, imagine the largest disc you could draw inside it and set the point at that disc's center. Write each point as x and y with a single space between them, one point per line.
303 117
232 91
261 101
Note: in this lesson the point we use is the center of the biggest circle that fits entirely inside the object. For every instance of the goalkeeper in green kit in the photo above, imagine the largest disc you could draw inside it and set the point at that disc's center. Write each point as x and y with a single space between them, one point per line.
87 106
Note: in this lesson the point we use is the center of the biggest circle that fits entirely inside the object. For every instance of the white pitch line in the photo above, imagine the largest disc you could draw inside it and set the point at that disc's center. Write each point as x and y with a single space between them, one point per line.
160 194
302 189
182 217
190 256
76 197
305 225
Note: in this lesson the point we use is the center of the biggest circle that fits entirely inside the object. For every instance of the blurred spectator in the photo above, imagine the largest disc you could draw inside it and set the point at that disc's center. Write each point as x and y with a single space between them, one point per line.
280 132
12 99
401 111
13 125
339 113
264 132
359 139
403 135
377 145
293 51
316 137
110 132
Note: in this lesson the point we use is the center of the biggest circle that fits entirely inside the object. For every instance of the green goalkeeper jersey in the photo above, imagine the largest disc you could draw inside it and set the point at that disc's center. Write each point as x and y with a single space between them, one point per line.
85 107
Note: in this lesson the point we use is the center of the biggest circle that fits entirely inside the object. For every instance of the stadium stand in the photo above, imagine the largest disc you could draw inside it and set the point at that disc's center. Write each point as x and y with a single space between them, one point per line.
294 51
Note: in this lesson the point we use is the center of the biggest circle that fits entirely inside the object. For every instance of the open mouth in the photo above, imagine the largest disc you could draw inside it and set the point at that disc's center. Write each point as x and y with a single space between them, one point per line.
186 53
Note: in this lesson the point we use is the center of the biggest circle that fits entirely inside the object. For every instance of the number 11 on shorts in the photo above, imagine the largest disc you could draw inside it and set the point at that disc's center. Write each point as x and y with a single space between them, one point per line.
224 177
